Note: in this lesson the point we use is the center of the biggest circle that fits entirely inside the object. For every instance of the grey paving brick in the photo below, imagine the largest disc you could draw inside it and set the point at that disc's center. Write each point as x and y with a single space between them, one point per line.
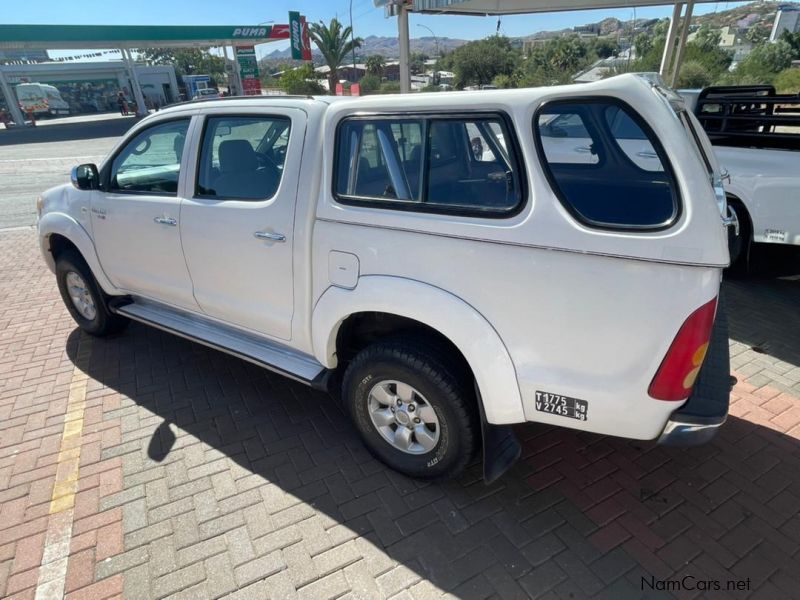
332 586
259 568
362 583
186 530
224 485
173 509
277 540
145 535
259 523
221 524
164 559
121 562
301 568
397 579
178 580
201 550
136 583
337 558
121 498
134 515
219 571
240 546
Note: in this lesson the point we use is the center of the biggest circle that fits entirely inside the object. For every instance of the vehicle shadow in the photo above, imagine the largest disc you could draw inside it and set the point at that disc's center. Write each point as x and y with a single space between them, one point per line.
65 132
764 305
579 513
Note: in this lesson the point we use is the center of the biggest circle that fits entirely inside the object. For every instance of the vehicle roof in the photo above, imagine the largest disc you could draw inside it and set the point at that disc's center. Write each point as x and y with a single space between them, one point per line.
433 99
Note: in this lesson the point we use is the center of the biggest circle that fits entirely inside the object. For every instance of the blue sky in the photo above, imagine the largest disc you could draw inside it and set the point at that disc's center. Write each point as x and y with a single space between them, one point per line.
367 20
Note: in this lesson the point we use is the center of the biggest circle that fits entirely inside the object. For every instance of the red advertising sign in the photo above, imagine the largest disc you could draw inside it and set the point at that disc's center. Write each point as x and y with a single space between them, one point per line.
339 89
306 40
355 89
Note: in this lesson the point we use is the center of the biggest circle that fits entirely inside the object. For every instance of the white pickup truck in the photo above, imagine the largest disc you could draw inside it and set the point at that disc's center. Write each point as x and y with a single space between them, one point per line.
756 137
435 260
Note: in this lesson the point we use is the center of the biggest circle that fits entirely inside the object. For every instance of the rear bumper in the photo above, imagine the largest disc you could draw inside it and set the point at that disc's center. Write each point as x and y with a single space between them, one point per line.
698 420
683 432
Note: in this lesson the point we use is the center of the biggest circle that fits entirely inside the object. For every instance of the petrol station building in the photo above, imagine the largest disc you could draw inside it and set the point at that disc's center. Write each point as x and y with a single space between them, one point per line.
154 83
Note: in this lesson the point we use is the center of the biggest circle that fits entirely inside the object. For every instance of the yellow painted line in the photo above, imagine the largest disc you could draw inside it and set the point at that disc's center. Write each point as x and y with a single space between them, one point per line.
53 570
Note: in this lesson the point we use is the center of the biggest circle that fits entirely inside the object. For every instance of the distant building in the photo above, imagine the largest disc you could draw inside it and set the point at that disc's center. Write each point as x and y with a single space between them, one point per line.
787 19
23 56
93 86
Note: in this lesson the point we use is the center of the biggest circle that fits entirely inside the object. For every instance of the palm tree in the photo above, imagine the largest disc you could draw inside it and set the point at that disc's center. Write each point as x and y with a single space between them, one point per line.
335 43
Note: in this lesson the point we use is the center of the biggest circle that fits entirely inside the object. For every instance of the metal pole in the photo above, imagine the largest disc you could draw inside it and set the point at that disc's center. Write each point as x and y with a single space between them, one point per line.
353 41
687 21
11 102
402 30
141 108
435 39
669 43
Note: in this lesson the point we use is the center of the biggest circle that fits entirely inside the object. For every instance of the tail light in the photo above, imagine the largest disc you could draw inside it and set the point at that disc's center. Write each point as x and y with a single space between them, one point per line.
675 377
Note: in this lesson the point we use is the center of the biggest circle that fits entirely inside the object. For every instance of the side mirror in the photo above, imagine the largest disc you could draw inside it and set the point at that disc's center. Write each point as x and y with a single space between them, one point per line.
85 177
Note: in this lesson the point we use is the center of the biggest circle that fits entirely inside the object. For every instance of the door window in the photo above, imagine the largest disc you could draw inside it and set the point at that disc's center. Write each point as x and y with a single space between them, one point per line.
242 158
432 164
606 165
151 162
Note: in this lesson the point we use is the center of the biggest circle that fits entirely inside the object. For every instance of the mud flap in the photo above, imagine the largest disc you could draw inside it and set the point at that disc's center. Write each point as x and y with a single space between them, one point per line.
501 448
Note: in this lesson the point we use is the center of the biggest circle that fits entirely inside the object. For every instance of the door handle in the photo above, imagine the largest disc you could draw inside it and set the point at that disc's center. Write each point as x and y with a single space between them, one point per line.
266 235
647 154
165 221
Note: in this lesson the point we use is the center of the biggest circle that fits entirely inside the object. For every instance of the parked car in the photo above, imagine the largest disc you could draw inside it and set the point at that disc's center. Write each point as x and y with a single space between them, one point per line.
755 133
443 289
41 99
207 94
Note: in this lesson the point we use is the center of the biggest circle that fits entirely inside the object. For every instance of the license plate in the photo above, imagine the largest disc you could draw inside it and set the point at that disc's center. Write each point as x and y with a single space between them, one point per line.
563 406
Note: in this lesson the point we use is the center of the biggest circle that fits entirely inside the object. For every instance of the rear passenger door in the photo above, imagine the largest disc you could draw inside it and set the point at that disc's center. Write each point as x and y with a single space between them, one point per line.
237 227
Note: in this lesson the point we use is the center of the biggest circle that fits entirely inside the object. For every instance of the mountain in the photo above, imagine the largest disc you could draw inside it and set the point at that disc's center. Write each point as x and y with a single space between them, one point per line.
756 14
385 46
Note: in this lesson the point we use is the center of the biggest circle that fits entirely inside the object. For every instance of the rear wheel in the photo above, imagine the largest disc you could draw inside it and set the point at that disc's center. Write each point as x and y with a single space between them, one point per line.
739 245
83 298
413 409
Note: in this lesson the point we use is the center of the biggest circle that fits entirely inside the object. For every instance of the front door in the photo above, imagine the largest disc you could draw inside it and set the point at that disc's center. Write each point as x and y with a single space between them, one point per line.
238 227
135 216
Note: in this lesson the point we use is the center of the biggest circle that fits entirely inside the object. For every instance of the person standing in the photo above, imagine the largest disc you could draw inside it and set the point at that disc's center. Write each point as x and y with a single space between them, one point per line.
122 104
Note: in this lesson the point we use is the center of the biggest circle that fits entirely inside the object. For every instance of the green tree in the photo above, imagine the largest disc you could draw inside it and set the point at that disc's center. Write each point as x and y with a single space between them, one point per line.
765 62
479 62
187 61
416 62
335 43
370 83
301 80
694 75
604 47
642 43
793 39
557 61
375 65
788 81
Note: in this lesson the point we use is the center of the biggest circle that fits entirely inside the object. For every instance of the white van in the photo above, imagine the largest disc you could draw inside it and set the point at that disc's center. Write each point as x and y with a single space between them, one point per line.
41 99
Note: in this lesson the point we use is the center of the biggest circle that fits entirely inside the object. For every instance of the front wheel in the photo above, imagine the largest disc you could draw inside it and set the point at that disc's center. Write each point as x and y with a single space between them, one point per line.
413 409
83 298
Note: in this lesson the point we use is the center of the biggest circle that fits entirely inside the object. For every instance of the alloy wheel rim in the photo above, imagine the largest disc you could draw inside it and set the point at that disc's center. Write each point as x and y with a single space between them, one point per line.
81 296
403 417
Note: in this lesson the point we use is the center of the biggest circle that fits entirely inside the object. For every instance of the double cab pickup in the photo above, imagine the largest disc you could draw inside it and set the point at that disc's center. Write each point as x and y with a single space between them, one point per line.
445 264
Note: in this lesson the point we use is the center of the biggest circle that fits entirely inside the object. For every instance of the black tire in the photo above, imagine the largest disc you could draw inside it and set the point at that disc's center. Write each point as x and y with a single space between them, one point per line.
104 321
739 245
443 386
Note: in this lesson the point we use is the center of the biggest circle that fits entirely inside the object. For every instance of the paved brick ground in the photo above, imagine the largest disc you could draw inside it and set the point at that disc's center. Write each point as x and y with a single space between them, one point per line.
202 476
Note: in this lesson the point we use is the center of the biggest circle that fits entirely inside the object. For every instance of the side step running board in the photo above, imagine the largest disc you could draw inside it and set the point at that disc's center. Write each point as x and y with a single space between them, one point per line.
264 353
